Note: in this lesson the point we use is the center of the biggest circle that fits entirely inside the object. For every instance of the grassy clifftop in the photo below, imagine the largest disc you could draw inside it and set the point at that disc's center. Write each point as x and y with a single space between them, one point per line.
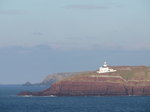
139 73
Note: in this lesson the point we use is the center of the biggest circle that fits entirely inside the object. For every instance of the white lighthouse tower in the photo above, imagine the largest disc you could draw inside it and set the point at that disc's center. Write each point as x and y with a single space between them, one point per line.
105 69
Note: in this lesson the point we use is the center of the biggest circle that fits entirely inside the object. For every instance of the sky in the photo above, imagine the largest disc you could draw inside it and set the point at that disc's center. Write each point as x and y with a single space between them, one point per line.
40 37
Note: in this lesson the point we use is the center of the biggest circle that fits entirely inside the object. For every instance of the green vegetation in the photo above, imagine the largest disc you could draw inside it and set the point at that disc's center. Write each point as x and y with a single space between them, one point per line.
127 75
126 72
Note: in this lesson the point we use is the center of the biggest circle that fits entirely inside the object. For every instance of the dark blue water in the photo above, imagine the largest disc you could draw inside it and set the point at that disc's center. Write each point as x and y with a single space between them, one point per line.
9 102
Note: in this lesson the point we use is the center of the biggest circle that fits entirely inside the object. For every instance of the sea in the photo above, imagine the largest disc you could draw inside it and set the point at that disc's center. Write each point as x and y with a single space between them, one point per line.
10 102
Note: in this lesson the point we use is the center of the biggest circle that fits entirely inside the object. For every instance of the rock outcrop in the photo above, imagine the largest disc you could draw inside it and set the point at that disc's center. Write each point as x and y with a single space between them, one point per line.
128 80
27 84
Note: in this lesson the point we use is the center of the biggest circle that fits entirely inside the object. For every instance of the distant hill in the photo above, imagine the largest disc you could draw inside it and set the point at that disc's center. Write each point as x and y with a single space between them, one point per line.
127 80
27 84
50 79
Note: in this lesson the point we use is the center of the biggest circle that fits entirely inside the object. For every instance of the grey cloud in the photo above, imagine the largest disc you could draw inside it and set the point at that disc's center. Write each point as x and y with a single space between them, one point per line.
11 12
90 7
38 33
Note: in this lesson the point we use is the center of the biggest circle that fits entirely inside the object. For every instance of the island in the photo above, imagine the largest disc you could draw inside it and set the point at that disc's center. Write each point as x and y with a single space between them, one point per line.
107 81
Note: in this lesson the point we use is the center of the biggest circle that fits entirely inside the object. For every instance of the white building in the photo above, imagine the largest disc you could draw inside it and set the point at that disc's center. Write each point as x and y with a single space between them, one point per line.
105 69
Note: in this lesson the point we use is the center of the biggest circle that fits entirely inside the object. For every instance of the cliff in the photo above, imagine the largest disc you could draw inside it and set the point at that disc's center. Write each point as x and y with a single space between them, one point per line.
128 80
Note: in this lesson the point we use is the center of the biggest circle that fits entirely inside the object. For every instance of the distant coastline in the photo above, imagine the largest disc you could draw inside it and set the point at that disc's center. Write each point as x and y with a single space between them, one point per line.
127 80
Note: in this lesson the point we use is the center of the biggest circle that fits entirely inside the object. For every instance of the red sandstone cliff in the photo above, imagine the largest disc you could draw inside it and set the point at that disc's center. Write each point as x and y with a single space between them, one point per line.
128 80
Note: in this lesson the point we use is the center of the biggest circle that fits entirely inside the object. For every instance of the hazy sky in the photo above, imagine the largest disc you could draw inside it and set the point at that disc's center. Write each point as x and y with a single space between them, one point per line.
39 37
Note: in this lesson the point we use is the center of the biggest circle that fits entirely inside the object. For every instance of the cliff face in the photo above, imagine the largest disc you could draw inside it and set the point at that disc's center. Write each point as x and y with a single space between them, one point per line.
127 80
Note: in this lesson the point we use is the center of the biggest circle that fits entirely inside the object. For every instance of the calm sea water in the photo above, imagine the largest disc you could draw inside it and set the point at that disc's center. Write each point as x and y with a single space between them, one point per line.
9 102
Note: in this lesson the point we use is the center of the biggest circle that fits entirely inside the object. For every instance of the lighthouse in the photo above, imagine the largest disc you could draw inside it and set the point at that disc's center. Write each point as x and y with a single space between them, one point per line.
105 69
